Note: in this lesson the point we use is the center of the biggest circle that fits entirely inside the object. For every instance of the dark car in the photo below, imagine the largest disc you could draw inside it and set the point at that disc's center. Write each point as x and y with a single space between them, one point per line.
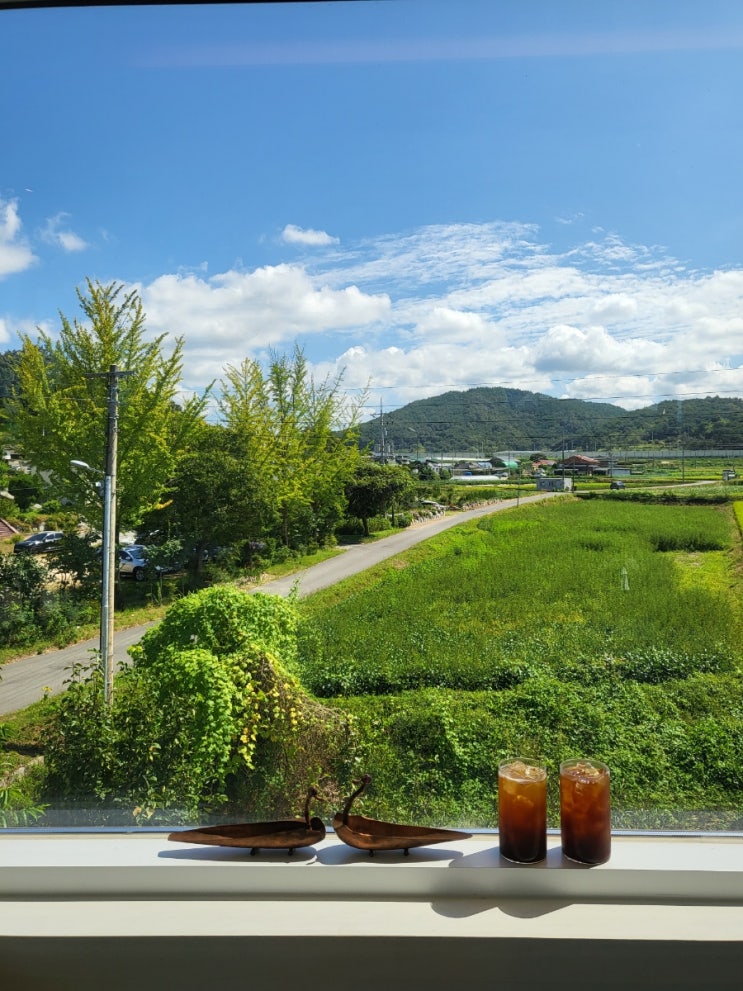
617 485
38 543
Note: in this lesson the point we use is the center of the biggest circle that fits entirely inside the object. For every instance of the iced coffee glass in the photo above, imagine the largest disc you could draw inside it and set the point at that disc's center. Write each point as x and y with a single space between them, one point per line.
522 810
585 811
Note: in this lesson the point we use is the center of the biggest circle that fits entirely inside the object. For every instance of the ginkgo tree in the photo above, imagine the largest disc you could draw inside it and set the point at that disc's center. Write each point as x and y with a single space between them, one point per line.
59 410
298 443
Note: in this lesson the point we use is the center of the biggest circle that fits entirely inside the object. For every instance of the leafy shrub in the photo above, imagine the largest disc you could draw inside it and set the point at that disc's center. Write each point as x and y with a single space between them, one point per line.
22 576
78 559
224 620
353 527
658 664
208 701
713 752
80 754
18 626
17 808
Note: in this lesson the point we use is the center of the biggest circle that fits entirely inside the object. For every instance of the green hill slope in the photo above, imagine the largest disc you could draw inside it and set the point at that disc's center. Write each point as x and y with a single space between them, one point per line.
495 419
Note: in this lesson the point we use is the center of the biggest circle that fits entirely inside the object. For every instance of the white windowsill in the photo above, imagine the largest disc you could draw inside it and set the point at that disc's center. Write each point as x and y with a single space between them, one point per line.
81 912
120 882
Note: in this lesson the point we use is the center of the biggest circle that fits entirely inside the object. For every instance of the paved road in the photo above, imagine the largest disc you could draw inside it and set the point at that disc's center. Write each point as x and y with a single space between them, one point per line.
27 680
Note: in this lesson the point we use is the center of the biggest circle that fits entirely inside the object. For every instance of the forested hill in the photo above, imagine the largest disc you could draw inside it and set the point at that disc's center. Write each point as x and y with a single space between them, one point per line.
494 419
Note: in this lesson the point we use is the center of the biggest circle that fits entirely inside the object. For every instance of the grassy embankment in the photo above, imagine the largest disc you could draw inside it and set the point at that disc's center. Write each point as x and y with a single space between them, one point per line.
604 629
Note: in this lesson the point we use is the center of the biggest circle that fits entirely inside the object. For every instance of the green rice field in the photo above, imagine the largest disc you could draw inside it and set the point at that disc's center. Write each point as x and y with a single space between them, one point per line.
567 628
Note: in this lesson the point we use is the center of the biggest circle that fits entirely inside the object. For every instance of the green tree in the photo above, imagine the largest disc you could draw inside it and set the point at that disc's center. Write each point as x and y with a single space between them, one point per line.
427 474
60 409
298 441
317 455
376 489
8 375
208 503
8 362
22 592
247 412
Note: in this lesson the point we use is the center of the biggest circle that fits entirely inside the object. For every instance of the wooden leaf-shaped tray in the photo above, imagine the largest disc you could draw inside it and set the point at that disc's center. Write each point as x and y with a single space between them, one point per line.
373 834
284 834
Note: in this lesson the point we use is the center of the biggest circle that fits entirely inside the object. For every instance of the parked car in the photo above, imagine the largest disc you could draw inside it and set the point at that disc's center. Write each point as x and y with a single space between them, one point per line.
38 543
617 485
133 562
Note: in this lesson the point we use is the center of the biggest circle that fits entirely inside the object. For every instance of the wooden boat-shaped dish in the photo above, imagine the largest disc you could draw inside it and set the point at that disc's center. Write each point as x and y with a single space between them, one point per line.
372 834
284 834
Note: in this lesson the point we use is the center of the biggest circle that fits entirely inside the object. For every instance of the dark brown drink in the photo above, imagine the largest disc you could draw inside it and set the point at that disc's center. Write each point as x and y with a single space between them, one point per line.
522 811
585 811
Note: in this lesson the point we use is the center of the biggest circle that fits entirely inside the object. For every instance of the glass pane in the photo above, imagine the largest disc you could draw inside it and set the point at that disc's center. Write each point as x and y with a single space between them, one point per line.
282 282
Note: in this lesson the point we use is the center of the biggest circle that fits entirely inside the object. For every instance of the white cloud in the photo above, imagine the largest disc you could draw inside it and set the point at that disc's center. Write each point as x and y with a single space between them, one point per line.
634 391
15 254
238 314
462 47
10 222
447 324
569 219
451 307
614 308
292 234
575 350
605 320
399 375
54 233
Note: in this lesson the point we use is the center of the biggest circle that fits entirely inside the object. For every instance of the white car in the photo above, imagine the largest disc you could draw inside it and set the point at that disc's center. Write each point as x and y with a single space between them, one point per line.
133 561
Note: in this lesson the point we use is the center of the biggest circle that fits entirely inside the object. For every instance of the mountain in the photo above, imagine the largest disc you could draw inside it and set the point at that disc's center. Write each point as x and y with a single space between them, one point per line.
496 419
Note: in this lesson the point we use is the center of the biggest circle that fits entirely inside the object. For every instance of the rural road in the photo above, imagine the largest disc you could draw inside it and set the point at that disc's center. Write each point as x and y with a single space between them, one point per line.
27 679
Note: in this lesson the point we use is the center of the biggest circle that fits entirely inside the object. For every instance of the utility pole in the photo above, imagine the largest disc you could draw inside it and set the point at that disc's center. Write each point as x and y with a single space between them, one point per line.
382 436
109 531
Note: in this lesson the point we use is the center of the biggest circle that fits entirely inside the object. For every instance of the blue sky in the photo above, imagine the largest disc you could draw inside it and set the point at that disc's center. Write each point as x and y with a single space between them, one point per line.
425 194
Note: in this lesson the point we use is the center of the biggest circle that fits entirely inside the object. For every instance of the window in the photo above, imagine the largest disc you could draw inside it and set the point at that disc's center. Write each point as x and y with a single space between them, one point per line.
525 215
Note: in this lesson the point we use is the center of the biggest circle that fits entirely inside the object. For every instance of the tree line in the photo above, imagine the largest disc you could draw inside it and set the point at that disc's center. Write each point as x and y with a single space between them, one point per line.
279 466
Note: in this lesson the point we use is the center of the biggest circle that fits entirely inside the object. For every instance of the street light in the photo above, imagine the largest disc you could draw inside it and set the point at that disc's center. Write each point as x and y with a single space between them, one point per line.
107 584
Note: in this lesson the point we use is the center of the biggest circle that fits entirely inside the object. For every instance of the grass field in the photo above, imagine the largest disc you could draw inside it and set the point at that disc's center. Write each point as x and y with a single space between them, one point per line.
568 628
